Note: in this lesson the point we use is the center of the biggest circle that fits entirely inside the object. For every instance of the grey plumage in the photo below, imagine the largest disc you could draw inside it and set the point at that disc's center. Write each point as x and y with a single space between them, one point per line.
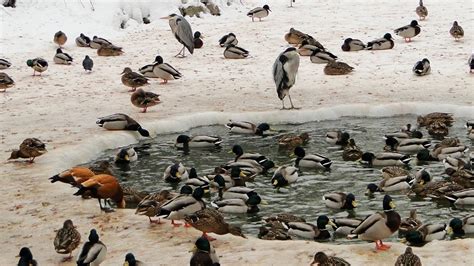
87 63
285 69
181 29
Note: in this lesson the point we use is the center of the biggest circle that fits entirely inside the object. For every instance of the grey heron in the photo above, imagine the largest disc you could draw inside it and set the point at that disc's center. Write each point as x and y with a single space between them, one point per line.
284 73
181 29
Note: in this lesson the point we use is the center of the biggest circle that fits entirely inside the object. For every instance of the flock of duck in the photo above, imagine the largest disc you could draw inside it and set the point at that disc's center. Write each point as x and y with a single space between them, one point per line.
229 179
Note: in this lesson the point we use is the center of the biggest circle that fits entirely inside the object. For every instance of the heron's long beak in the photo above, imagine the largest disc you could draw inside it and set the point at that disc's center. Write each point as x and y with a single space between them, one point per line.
167 17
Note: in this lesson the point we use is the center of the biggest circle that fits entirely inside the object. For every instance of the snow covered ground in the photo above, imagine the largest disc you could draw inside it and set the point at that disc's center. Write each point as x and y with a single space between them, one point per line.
61 107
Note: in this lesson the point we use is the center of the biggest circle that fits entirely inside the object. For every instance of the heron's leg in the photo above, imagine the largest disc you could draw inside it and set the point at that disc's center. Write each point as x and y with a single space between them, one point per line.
292 106
283 103
179 54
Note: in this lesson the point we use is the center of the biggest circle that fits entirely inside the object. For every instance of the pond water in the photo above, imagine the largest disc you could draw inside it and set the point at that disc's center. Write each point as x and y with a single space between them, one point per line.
304 198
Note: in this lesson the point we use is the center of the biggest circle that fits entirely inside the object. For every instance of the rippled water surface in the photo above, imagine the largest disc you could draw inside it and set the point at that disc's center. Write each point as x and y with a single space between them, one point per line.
303 198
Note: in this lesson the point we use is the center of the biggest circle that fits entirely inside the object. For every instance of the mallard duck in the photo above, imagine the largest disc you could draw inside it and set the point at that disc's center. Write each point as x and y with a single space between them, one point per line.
470 62
462 177
235 52
97 42
292 140
421 10
74 176
182 205
30 148
103 187
338 138
435 190
244 127
26 257
62 58
83 41
204 253
87 63
285 218
321 57
409 31
259 12
198 43
310 160
384 43
238 205
422 67
438 130
337 68
284 176
195 181
228 39
147 70
227 179
445 118
321 259
133 79
175 173
459 227
406 145
185 142
60 38
307 49
409 223
461 197
257 157
126 155
165 71
38 64
150 204
455 163
344 226
394 171
93 252
67 239
390 184
273 230
351 151
109 50
441 153
4 64
456 31
408 258
405 133
211 221
379 225
352 45
132 195
120 121
250 168
340 201
5 81
144 99
131 261
295 37
424 234
385 159
239 192
310 231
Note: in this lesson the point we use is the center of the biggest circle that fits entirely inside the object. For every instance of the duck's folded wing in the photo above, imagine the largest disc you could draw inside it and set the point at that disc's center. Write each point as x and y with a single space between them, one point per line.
94 252
368 222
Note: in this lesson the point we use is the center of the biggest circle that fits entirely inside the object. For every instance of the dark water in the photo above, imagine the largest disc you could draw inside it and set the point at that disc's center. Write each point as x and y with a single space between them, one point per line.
304 198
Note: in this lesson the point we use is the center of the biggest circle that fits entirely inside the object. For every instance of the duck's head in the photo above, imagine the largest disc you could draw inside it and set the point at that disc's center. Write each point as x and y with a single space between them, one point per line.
126 70
278 180
197 35
174 170
237 150
417 134
304 136
198 193
423 176
371 189
93 236
59 51
183 139
14 155
192 173
26 254
455 227
266 7
348 40
299 152
388 36
423 155
262 128
122 156
320 258
345 137
351 202
368 157
388 203
202 244
352 142
254 199
414 237
231 34
159 59
323 221
186 190
455 23
130 260
414 23
220 181
449 171
143 132
304 42
425 61
29 62
68 224
391 142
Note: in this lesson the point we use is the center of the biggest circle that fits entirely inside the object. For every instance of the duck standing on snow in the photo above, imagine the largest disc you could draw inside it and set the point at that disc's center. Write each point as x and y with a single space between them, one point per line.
87 63
285 69
337 68
93 252
126 155
259 12
235 52
38 64
422 67
204 254
121 122
284 176
198 43
408 258
147 70
67 239
379 225
60 38
384 43
321 57
304 160
456 31
103 187
209 220
131 261
409 31
144 99
83 41
352 45
321 259
30 148
97 42
62 58
133 79
5 81
165 71
185 142
243 127
421 10
228 39
150 204
4 64
182 31
109 50
26 258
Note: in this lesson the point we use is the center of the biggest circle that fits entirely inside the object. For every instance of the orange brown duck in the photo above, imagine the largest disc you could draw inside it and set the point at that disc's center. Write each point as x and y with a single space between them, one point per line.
103 187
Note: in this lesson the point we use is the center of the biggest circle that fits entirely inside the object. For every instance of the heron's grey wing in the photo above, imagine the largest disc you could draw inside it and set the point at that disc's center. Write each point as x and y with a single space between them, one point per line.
278 71
291 68
185 33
